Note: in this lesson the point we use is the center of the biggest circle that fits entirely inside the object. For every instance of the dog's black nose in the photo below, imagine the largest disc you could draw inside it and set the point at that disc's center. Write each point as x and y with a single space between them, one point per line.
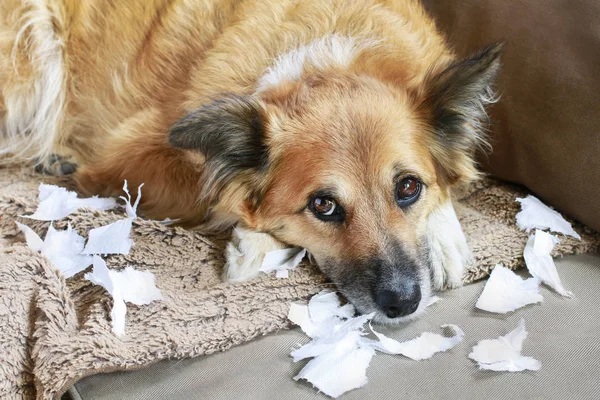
399 303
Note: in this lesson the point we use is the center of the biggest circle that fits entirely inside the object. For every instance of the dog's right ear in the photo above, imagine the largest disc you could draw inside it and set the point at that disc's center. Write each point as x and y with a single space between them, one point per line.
230 133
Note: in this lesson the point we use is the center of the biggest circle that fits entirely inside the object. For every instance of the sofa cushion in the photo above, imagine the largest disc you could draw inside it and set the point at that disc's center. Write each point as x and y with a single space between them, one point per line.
562 336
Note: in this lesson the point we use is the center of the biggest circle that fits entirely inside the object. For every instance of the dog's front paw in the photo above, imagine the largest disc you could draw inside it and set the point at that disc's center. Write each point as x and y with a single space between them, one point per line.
56 165
448 249
245 253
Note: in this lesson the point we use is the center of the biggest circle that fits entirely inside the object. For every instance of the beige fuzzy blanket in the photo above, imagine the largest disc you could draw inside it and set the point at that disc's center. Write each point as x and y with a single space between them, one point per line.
56 331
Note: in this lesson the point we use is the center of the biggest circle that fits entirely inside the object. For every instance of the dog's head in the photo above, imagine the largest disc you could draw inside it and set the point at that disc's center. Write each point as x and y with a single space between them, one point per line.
349 167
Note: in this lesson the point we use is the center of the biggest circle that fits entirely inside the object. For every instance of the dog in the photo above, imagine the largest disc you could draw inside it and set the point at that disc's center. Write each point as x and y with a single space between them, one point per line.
342 127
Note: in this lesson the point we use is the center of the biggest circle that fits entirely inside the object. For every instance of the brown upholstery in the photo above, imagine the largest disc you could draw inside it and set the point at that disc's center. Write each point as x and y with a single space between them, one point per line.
546 128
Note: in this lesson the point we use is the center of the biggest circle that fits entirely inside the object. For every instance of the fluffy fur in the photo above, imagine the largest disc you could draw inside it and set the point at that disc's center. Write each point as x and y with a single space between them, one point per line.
241 112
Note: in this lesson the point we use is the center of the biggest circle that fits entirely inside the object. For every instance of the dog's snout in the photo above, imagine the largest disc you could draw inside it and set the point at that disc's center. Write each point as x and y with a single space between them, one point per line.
399 303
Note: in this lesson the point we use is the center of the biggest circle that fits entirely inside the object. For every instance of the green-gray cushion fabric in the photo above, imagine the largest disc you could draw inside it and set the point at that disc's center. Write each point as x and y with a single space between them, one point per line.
563 335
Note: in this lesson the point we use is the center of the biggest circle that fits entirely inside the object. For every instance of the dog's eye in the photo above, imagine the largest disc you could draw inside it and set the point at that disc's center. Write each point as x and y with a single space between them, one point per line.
326 208
407 191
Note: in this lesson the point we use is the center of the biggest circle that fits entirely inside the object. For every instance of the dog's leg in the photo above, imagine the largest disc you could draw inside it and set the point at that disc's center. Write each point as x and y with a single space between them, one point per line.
56 165
245 253
448 249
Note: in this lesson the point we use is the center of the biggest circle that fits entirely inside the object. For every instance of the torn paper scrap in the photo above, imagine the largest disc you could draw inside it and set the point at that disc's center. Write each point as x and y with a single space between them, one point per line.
298 314
504 353
340 351
62 248
326 304
34 242
282 261
136 287
130 209
540 263
129 285
506 291
323 312
329 335
422 347
340 369
327 341
536 215
57 202
115 238
282 274
339 357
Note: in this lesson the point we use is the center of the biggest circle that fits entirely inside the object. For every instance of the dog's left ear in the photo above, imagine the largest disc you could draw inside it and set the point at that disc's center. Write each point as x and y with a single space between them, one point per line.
454 102
230 133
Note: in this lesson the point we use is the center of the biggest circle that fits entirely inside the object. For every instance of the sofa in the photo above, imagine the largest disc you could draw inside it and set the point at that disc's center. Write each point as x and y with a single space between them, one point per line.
545 137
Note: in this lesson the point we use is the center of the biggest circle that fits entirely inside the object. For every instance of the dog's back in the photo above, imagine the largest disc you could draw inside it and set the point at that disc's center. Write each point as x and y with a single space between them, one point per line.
101 82
338 126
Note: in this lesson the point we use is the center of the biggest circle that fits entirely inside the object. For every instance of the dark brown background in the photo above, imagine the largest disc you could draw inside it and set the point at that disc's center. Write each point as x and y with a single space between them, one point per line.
546 128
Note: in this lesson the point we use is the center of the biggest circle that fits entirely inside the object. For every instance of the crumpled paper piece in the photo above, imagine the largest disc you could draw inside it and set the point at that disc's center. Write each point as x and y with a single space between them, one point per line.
282 261
62 248
340 353
506 291
504 353
422 347
129 285
540 263
341 368
536 215
57 202
115 238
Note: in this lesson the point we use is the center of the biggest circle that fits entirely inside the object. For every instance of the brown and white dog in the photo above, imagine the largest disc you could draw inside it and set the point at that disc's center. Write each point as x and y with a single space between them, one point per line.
338 126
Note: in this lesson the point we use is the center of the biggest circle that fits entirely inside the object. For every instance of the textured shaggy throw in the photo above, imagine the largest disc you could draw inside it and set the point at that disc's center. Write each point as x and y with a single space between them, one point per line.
56 330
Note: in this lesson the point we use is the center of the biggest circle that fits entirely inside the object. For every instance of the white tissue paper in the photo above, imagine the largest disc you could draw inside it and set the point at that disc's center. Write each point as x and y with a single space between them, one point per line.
62 248
540 263
504 353
536 215
115 238
422 347
341 368
324 305
282 261
506 291
57 202
129 285
340 353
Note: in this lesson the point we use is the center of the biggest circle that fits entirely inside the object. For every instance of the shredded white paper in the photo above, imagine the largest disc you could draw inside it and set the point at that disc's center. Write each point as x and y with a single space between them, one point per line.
281 261
66 250
341 368
540 263
57 202
326 304
115 238
536 215
422 347
506 291
62 248
341 354
129 285
504 353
